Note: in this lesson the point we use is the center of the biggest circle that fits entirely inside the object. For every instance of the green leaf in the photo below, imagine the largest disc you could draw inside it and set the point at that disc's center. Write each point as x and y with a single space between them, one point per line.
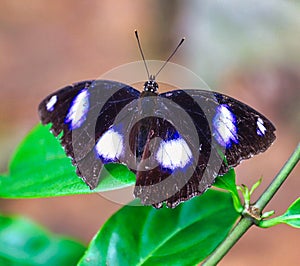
255 186
290 217
40 168
25 243
227 182
146 236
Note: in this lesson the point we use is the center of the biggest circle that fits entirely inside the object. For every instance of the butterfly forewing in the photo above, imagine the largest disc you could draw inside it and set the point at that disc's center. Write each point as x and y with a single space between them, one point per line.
255 133
84 112
237 129
54 108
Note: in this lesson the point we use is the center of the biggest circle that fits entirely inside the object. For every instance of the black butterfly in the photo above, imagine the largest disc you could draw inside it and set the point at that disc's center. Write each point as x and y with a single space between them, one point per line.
176 142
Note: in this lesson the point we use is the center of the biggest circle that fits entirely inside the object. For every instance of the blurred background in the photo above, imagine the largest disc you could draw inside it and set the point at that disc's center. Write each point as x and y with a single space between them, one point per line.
247 49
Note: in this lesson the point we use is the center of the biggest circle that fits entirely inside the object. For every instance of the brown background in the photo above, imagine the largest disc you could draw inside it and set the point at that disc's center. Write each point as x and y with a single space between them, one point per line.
247 50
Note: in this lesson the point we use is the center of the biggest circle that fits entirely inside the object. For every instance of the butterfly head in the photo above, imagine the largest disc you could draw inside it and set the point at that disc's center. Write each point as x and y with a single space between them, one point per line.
151 85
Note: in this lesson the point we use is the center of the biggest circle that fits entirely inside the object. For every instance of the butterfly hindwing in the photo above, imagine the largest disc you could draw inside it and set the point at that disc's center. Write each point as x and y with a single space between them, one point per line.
170 157
166 163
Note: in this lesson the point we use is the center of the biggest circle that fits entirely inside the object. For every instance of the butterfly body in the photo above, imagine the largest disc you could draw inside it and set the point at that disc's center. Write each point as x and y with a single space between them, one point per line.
175 142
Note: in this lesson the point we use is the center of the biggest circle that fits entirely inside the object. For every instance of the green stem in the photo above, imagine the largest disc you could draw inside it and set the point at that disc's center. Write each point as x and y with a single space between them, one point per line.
278 180
243 225
246 222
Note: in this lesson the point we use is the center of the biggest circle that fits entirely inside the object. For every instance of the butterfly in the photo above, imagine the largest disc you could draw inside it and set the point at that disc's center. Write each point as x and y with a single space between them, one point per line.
176 142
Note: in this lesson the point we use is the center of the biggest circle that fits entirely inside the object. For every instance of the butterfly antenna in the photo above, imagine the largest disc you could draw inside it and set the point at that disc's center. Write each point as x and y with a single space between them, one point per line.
179 44
140 47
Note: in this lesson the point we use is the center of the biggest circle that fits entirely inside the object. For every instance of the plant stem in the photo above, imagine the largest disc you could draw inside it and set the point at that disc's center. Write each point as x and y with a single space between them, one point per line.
278 180
243 225
246 222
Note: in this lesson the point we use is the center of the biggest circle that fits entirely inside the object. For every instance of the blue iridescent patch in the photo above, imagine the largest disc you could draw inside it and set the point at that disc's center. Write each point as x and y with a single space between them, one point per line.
172 134
224 126
78 111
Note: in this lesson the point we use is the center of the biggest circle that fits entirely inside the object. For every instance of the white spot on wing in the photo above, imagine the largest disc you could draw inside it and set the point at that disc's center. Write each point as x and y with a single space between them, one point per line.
174 153
261 130
110 145
224 124
50 104
78 110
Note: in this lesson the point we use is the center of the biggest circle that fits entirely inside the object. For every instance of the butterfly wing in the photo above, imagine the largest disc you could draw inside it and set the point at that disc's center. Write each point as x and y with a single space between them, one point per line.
237 129
83 113
254 132
170 159
184 139
228 131
176 143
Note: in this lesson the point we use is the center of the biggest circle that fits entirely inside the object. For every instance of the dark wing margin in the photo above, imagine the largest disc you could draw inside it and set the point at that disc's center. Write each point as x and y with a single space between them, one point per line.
95 103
